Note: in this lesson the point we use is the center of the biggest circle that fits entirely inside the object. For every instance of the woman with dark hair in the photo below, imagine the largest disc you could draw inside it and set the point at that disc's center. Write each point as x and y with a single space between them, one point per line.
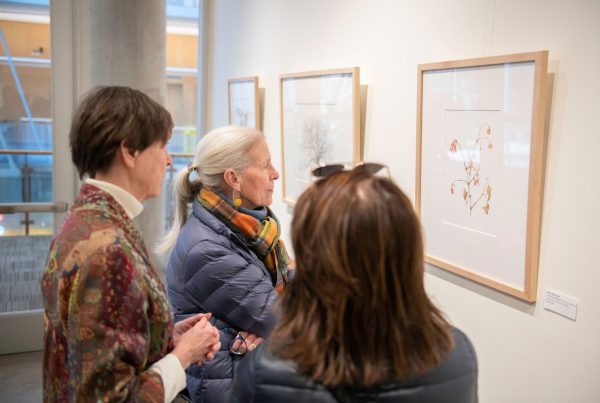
227 258
109 333
356 323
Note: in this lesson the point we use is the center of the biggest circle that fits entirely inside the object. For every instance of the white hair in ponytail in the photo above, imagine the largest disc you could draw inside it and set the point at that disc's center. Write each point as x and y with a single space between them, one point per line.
223 148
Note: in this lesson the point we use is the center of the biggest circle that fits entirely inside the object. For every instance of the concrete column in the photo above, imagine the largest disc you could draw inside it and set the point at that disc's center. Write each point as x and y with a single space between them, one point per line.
127 46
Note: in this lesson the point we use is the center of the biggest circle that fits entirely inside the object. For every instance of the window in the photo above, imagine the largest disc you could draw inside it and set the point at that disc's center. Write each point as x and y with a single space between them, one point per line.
25 125
26 151
26 145
182 84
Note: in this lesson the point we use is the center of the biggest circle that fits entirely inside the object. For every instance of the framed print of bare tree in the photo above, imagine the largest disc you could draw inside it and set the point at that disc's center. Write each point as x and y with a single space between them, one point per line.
320 124
244 105
480 153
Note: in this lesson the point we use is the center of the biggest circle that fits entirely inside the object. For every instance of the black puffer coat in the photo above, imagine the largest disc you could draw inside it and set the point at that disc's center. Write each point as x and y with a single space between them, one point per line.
212 270
265 378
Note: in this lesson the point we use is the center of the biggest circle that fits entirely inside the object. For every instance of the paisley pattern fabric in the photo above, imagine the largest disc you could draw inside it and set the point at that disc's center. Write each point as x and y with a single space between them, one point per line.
106 319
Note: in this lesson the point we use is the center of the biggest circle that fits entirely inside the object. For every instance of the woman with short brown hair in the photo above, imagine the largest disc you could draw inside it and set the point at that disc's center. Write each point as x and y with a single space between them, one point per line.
356 323
109 332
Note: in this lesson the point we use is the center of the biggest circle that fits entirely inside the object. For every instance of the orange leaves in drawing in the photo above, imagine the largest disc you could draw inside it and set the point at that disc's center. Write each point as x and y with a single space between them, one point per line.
473 193
453 146
486 208
488 196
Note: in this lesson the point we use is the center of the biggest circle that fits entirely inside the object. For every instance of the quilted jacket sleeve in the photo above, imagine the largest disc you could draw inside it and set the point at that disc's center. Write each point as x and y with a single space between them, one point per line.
234 288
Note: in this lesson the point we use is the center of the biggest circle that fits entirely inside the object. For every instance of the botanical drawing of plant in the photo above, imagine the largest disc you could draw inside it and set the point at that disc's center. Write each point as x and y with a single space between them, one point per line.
473 193
242 116
315 143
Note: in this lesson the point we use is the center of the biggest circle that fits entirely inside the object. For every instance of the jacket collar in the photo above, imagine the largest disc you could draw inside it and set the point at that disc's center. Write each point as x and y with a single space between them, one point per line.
208 219
212 222
130 204
94 199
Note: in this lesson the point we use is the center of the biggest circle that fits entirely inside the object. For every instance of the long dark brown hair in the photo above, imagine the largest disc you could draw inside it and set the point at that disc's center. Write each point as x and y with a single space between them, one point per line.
356 311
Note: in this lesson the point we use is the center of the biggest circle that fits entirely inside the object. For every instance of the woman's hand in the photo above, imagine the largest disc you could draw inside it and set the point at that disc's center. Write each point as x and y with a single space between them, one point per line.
184 325
252 341
198 343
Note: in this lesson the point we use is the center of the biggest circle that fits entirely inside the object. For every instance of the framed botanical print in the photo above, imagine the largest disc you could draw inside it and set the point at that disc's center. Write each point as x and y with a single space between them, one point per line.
480 153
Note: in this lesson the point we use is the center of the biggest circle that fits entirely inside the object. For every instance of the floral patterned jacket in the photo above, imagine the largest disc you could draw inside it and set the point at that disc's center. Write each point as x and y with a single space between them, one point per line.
106 316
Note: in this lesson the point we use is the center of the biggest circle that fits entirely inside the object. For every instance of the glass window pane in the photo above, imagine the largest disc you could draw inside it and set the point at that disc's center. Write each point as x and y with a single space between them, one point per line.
36 224
16 130
178 163
182 88
182 9
181 103
25 177
183 140
21 261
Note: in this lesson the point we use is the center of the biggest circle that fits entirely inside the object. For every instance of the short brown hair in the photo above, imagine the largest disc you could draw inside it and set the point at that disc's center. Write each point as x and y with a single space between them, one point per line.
357 311
109 116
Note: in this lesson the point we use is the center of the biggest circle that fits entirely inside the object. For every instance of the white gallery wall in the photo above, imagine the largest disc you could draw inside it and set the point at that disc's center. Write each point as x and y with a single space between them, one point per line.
526 353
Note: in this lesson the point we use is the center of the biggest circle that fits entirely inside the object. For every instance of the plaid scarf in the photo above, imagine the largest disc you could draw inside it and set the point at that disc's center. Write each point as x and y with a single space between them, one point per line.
262 237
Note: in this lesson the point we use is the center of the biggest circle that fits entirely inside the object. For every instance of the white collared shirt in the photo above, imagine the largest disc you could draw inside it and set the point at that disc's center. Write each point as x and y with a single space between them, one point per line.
132 206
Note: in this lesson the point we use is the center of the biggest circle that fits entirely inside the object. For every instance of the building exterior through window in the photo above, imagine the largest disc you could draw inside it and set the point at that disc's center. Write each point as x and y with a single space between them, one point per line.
26 138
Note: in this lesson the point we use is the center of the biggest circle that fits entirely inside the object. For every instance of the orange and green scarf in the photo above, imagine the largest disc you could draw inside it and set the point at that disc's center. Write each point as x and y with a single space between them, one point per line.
262 237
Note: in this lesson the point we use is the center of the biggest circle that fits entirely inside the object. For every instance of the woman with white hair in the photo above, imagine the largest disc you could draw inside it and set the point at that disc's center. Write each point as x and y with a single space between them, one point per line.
227 258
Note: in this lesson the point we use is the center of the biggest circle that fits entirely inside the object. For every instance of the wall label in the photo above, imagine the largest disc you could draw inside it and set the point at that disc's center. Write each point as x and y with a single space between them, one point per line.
560 303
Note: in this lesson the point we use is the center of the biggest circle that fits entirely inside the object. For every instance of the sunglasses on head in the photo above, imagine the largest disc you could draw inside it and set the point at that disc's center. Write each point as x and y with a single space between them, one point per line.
371 168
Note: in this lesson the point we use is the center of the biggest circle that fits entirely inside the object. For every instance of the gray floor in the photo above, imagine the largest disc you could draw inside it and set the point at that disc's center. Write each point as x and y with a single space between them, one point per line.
21 377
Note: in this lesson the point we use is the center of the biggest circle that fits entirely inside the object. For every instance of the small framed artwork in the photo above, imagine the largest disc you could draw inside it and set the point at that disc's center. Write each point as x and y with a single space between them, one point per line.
244 105
480 153
320 124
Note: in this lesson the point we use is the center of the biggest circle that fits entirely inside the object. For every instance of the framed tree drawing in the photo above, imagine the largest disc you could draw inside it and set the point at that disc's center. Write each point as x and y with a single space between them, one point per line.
244 105
480 152
320 124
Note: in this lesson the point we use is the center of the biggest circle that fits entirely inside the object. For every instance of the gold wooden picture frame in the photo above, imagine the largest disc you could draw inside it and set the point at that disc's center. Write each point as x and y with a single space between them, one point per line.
320 124
244 102
479 173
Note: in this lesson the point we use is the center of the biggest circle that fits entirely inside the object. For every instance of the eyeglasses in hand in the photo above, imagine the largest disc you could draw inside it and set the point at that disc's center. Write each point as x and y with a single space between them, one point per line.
238 345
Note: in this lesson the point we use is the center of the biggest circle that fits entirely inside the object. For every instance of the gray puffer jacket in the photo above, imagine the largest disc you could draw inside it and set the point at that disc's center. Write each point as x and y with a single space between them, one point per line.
212 270
266 378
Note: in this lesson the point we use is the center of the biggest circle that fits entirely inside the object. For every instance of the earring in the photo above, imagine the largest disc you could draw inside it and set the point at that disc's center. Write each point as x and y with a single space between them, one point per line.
237 200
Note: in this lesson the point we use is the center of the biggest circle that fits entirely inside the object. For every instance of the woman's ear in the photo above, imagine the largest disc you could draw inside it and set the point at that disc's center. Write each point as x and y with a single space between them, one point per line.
232 179
127 155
